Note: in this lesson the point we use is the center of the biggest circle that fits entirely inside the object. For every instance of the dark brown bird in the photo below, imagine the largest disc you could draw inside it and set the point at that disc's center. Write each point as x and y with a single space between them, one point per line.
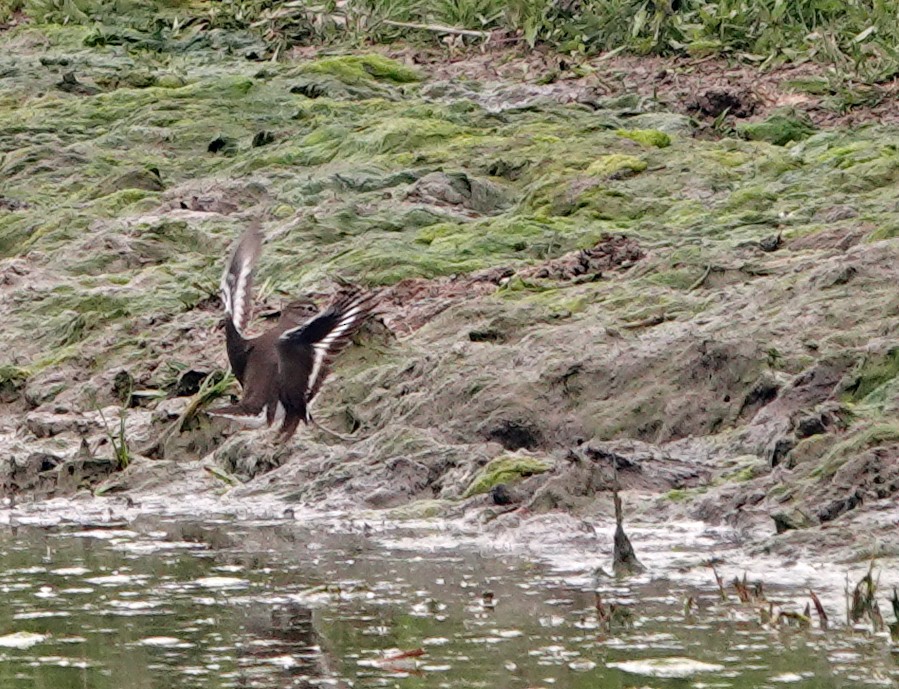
282 369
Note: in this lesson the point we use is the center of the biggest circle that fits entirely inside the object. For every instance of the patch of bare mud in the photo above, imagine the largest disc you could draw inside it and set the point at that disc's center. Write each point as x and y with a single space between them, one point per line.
610 253
706 88
412 303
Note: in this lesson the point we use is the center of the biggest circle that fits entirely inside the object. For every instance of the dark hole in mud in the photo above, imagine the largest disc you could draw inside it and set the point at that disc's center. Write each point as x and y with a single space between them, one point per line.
189 383
506 169
649 430
513 435
716 102
570 384
70 84
762 393
263 138
614 460
219 144
809 426
772 243
782 448
789 521
838 507
351 421
488 335
836 277
309 89
872 372
501 495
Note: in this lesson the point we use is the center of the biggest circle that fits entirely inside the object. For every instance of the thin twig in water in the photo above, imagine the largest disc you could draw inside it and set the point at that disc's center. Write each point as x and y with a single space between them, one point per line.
822 615
720 584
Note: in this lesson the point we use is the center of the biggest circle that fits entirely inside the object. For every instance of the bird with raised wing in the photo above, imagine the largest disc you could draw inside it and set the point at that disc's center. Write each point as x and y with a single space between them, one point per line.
281 370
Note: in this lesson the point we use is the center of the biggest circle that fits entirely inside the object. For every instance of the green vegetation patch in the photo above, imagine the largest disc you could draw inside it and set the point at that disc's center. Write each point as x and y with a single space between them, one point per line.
401 134
874 372
777 129
12 380
356 69
685 494
616 164
506 469
647 137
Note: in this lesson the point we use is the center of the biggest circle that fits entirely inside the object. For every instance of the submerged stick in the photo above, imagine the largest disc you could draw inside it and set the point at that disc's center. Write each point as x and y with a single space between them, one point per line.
720 583
822 615
742 589
624 559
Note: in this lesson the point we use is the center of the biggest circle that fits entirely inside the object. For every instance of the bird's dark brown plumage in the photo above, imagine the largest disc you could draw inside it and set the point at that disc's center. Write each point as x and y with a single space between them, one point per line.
282 369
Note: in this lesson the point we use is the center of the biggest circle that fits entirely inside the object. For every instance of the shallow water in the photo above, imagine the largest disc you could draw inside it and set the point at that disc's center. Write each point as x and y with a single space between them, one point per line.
226 602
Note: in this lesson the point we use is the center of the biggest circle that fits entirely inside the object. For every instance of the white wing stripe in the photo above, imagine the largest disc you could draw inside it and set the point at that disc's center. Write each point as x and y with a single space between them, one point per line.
234 293
350 313
225 289
240 290
316 368
322 347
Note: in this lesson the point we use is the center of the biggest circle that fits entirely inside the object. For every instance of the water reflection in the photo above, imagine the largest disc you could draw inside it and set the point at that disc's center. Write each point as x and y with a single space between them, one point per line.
281 643
166 603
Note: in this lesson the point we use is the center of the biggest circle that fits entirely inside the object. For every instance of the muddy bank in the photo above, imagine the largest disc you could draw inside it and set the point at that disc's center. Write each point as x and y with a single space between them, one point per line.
575 291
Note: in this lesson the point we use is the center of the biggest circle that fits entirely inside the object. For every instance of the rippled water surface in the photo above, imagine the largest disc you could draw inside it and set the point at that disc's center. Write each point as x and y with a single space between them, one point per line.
171 603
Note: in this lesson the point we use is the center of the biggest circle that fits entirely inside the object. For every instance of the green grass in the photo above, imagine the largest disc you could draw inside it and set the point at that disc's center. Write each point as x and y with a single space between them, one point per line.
858 35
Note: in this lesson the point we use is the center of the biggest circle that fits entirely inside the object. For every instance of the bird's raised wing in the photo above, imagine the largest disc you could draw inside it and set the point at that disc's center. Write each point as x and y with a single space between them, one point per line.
307 350
237 280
